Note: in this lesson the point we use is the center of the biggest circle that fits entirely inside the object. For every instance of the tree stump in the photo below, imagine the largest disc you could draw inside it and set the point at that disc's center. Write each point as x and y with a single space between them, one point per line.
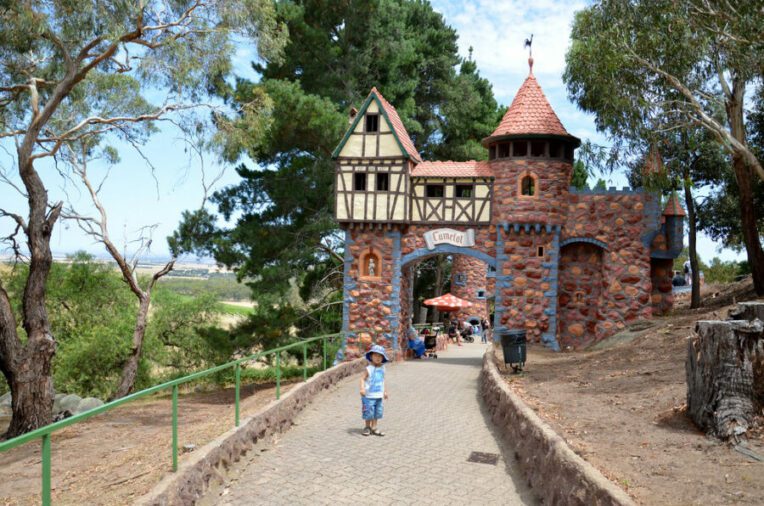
720 379
752 311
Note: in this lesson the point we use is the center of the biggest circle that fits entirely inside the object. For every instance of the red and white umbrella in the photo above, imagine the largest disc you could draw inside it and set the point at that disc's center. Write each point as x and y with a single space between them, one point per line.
447 303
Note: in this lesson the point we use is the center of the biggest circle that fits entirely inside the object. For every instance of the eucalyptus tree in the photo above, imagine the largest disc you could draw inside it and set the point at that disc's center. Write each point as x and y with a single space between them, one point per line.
673 65
77 71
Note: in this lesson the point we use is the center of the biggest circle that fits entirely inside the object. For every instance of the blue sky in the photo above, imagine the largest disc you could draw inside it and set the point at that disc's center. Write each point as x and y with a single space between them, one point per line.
495 31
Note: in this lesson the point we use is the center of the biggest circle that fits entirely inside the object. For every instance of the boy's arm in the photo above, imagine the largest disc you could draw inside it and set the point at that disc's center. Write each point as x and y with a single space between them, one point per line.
363 379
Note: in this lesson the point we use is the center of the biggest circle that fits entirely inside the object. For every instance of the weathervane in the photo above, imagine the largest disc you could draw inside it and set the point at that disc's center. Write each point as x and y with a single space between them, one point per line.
529 45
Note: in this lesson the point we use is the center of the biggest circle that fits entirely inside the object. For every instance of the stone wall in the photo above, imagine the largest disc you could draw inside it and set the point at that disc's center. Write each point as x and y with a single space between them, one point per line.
370 301
556 474
524 280
552 185
620 222
580 295
473 279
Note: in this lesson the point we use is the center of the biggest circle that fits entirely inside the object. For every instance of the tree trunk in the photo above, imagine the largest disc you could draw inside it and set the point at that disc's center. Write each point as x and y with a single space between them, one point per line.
438 286
745 180
27 366
130 369
694 264
719 370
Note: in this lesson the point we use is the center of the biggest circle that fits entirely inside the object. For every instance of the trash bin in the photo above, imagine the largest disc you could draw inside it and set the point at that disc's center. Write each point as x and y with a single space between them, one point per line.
513 344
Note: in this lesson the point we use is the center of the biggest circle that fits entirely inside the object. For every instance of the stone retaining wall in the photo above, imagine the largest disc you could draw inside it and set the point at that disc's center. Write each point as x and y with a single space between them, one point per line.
556 474
209 463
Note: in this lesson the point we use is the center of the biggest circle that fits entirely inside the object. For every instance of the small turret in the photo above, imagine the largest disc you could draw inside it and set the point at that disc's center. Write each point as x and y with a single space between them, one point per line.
674 216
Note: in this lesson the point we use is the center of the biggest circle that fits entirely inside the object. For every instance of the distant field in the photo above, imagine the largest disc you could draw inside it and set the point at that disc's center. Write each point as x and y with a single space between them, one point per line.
235 309
223 287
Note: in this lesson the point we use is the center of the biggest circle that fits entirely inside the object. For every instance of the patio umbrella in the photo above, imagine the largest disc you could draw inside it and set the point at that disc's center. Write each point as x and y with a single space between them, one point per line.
447 303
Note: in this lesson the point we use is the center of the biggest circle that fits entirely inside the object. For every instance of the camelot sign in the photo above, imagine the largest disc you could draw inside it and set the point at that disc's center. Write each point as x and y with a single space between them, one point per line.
464 239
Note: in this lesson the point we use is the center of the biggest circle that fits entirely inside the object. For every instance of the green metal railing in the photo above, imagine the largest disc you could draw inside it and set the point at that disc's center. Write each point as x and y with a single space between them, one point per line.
44 433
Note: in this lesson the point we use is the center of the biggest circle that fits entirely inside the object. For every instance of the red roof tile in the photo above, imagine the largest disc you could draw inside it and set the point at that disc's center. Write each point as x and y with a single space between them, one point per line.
398 127
530 113
673 207
471 168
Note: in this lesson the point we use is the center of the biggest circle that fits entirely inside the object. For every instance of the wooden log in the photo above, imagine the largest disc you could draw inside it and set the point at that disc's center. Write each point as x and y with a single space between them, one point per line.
719 371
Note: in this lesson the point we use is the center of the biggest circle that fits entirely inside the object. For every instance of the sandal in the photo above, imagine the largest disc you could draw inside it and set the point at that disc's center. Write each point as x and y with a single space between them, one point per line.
377 432
366 431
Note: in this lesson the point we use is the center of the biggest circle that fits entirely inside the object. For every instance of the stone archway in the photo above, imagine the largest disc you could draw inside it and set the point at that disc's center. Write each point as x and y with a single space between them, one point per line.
409 260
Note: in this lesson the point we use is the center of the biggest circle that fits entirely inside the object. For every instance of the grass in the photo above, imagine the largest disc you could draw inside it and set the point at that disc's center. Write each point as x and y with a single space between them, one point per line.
233 309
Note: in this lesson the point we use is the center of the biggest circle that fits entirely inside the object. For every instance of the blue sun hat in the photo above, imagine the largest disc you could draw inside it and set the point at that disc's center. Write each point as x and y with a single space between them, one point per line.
377 349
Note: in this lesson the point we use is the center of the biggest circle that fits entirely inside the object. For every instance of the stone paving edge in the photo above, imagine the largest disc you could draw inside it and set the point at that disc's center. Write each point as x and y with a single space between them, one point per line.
194 476
554 471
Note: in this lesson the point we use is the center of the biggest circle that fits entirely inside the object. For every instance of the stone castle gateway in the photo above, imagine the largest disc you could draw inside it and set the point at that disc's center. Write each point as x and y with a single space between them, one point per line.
571 267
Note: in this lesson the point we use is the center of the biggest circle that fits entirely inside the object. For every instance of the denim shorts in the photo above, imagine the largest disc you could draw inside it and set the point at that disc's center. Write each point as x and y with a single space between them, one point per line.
371 409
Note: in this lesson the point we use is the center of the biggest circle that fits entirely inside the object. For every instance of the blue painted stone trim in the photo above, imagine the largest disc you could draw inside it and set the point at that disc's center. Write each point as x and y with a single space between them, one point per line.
572 240
549 338
348 285
502 281
448 250
395 308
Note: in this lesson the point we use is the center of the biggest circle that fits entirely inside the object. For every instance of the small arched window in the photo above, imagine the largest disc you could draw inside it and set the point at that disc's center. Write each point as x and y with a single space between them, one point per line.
528 186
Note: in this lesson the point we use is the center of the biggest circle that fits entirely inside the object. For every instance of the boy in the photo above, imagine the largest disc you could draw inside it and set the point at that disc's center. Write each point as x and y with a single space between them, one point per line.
373 390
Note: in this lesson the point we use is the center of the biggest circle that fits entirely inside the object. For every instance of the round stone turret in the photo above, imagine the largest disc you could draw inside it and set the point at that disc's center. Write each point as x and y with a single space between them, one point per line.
531 155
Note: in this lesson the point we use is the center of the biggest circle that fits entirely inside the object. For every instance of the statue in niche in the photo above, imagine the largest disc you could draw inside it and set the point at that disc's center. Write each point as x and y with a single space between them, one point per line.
372 267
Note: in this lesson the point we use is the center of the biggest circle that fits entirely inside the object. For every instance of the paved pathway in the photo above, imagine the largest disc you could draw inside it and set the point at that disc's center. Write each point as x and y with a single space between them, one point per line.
433 420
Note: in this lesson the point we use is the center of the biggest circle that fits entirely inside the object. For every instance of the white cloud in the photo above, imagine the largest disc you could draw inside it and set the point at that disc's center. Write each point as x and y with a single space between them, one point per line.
496 30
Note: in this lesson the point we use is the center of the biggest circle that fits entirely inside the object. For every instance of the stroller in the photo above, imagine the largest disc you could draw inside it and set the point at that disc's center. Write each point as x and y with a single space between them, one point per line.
430 344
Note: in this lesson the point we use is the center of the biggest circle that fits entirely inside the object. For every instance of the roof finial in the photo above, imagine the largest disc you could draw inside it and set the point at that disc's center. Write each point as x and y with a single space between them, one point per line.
529 45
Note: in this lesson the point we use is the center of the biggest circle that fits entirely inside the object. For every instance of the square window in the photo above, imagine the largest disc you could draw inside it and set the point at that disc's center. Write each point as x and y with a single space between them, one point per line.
538 148
383 182
519 148
555 149
372 122
481 294
359 181
434 190
464 191
504 150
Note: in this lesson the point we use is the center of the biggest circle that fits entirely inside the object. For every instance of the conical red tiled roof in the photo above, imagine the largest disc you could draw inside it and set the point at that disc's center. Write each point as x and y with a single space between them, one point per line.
398 127
530 113
674 207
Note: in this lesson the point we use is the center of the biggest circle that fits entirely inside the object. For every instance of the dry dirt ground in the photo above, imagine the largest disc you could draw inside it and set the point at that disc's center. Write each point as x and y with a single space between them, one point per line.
117 457
622 408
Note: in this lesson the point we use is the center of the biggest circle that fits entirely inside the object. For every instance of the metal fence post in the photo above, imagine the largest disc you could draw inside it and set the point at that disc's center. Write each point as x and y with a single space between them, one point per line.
175 428
238 387
278 375
324 341
304 362
46 501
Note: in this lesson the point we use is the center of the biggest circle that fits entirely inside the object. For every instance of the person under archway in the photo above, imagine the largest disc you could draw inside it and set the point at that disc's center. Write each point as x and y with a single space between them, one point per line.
416 344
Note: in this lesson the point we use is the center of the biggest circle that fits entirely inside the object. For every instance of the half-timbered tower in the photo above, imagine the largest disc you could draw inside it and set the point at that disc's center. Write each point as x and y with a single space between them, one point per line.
570 267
